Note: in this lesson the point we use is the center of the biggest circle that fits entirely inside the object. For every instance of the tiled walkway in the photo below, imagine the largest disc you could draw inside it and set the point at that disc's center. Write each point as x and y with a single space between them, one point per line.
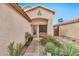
35 49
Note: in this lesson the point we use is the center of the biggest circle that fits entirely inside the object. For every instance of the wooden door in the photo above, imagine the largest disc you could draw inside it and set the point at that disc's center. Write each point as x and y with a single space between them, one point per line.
56 31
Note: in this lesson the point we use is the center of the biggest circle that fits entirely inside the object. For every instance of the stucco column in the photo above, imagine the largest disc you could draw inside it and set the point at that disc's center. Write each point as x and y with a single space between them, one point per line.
37 31
50 27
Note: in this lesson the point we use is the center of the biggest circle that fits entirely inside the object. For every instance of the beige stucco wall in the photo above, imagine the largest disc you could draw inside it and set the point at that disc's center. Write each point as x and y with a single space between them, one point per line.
70 30
39 22
45 15
34 13
12 27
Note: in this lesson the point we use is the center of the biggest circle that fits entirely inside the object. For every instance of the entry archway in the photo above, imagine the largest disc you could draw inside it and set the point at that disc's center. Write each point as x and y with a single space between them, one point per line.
39 27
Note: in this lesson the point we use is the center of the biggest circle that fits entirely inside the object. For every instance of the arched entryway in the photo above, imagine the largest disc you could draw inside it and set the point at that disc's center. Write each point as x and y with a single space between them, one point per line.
39 27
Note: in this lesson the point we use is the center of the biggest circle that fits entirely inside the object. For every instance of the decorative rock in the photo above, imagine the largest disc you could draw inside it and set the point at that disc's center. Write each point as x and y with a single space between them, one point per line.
48 54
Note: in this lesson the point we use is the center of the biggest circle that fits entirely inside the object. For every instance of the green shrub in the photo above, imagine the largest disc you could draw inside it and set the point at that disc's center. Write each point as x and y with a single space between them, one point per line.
54 50
49 47
70 50
49 38
44 40
28 37
57 51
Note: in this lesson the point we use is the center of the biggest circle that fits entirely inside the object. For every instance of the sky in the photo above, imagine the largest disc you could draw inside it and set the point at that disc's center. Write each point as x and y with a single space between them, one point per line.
67 11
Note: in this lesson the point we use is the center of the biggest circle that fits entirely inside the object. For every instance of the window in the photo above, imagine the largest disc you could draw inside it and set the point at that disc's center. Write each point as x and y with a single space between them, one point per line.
42 28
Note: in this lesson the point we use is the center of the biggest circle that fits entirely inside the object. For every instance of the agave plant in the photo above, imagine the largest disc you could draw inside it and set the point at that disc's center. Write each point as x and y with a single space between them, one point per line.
49 38
70 50
11 48
18 49
15 50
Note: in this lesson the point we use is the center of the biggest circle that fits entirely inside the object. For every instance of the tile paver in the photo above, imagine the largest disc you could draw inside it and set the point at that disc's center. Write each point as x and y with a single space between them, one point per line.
35 49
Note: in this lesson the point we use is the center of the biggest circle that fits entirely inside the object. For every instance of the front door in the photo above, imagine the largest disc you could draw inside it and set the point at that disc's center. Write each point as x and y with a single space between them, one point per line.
39 30
42 30
56 31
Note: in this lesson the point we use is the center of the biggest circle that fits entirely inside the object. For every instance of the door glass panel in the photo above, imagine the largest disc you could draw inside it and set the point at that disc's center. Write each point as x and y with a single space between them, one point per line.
43 28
